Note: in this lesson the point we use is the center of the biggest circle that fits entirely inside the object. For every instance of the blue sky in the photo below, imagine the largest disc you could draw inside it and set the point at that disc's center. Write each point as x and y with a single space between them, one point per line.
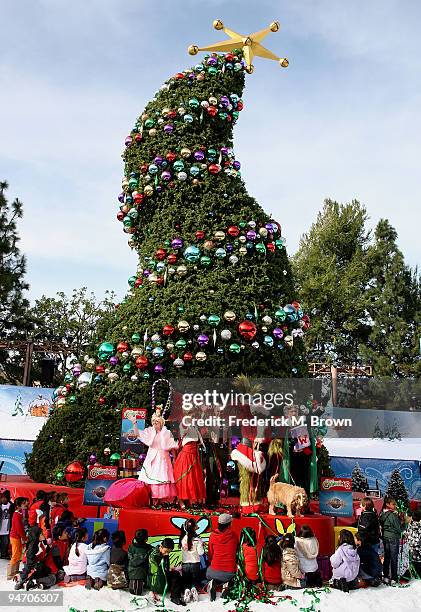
343 121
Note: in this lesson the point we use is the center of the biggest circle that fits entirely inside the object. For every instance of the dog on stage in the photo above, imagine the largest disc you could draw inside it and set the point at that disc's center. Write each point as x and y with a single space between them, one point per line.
294 498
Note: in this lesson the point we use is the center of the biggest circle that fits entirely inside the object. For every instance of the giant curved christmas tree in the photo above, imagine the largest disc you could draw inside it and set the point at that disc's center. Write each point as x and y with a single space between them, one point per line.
213 294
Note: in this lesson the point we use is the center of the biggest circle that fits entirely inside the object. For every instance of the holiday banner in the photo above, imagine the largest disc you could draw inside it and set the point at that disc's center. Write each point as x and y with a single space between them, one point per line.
132 421
23 411
378 472
12 456
99 480
335 496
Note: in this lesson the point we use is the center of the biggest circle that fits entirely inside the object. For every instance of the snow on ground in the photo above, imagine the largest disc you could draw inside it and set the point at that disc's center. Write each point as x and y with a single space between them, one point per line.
364 600
405 449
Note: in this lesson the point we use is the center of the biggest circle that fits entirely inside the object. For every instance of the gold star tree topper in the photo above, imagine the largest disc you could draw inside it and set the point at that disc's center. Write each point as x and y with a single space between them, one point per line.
250 44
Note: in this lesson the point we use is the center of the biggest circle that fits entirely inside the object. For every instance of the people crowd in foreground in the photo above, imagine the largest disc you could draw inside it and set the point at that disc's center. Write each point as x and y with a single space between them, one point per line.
55 550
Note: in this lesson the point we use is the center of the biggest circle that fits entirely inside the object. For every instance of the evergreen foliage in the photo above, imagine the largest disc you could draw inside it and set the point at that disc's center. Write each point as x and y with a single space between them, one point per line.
396 489
359 481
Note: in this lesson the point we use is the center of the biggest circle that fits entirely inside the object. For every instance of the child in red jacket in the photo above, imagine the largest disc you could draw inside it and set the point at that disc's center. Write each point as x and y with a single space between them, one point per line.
248 541
17 536
222 555
35 511
36 573
59 552
272 557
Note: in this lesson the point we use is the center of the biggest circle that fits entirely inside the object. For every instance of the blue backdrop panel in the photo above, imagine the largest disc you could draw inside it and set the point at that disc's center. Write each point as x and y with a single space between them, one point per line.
380 470
12 452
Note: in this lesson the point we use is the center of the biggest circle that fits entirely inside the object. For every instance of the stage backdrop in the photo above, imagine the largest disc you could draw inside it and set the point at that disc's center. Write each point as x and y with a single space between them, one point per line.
380 470
23 412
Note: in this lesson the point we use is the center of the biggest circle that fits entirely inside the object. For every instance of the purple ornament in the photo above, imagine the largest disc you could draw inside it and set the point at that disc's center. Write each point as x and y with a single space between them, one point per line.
251 235
142 457
128 141
166 176
224 101
236 164
269 227
224 150
92 458
146 272
212 61
121 197
199 155
168 129
159 368
192 75
229 248
225 482
278 333
158 160
159 189
76 371
203 339
113 360
176 243
235 441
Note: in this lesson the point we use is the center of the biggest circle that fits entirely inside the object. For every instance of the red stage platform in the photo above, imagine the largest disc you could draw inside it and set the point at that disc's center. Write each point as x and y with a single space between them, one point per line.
165 523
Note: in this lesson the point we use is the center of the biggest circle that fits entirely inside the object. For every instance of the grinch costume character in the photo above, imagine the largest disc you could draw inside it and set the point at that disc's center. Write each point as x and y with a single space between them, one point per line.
157 470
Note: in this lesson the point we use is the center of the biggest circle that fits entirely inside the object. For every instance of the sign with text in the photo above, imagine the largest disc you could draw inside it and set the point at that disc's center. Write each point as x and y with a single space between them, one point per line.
132 421
100 478
302 438
335 496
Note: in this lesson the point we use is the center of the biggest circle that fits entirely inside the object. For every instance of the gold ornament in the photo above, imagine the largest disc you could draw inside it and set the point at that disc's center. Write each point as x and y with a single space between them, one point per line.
201 356
229 316
183 326
148 191
181 270
250 45
185 153
208 245
219 235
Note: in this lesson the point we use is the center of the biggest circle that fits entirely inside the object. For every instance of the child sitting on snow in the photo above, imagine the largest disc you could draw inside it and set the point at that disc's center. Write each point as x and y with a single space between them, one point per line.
345 563
117 574
36 573
98 555
76 568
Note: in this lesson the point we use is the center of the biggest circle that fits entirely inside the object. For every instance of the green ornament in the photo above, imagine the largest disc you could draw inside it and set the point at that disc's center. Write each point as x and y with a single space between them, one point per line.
194 103
127 367
280 315
279 243
149 123
127 222
146 375
235 115
105 350
180 308
212 152
242 224
205 261
260 248
72 399
135 338
181 344
234 348
132 280
60 475
167 244
212 71
68 378
214 320
115 457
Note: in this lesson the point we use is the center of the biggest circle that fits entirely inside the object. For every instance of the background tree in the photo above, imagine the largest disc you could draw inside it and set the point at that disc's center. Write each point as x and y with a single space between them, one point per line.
396 488
331 271
359 480
394 308
14 320
213 295
69 320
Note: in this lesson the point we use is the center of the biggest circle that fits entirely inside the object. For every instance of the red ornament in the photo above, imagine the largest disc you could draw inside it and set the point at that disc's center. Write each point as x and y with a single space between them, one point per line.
240 105
141 362
271 247
138 198
122 347
120 215
160 281
168 330
212 111
170 157
74 471
214 168
171 184
247 330
173 356
229 57
306 321
233 231
138 282
172 258
138 137
179 76
200 234
68 387
296 305
160 254
172 114
102 401
187 357
144 168
100 369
